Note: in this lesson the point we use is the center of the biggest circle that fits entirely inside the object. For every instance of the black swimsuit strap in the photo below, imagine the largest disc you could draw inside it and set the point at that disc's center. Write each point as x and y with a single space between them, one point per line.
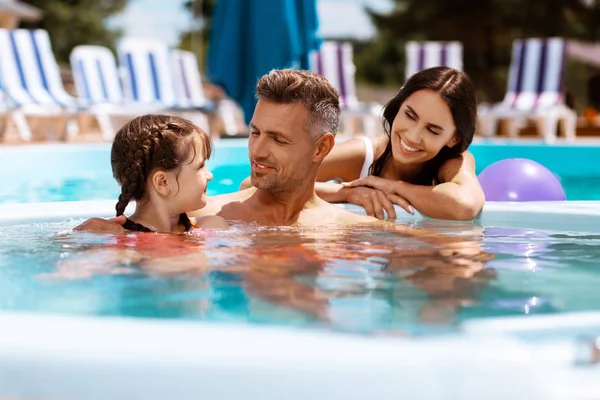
134 226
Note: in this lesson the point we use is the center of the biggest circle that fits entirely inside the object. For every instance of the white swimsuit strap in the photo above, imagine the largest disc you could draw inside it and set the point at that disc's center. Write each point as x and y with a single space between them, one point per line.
364 172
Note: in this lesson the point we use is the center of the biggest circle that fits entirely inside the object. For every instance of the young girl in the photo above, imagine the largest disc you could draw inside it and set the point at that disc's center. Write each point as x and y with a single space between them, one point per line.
159 161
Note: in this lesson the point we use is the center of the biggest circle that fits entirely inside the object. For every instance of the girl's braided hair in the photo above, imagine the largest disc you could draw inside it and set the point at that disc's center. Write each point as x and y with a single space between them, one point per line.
149 143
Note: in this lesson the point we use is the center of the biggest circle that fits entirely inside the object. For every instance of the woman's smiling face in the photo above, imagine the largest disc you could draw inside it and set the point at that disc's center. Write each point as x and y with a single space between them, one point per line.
422 127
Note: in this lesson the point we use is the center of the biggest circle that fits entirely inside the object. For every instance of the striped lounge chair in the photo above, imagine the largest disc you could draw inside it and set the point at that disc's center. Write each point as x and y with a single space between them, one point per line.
98 84
334 61
534 92
32 83
424 55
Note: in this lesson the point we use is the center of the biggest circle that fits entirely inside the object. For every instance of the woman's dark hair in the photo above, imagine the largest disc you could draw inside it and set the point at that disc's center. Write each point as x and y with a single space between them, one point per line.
148 143
457 90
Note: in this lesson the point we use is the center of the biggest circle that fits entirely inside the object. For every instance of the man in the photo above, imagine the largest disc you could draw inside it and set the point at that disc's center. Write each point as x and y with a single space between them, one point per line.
292 130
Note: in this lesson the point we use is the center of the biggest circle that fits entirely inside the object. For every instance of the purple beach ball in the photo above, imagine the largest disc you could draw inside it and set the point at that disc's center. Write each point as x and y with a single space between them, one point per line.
519 179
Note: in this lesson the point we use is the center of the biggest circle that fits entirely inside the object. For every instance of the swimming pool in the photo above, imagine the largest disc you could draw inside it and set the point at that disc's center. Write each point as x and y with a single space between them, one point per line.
362 317
357 280
226 331
77 172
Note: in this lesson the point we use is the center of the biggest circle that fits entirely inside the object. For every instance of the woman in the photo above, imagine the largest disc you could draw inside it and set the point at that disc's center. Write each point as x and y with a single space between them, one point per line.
422 162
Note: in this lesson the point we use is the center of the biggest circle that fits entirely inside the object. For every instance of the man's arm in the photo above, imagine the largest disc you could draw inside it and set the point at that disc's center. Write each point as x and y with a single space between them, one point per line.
99 225
213 206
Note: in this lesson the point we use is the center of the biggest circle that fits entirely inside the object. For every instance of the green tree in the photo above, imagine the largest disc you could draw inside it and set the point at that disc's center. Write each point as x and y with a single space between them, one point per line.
74 22
196 39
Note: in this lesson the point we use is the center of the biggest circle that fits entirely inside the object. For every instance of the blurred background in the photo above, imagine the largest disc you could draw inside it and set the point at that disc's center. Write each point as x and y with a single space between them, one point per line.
377 30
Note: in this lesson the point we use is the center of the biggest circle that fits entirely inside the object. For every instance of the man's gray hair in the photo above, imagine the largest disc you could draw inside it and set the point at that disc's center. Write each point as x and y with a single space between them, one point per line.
286 86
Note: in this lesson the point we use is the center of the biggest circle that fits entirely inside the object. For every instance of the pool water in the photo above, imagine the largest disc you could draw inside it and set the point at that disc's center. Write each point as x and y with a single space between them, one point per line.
356 279
583 188
74 172
101 185
226 179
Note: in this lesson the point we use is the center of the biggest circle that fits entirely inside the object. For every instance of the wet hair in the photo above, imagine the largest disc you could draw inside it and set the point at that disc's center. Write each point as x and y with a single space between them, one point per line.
458 92
287 86
149 143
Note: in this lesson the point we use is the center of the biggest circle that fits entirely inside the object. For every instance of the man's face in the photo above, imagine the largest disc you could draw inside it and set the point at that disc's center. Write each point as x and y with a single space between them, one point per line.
280 148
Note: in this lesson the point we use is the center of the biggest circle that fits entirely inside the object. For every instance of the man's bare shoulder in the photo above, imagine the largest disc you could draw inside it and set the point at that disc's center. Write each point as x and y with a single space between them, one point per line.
214 204
347 217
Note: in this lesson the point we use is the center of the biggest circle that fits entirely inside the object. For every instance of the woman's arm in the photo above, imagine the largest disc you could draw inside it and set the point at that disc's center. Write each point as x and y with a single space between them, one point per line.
458 197
344 162
331 192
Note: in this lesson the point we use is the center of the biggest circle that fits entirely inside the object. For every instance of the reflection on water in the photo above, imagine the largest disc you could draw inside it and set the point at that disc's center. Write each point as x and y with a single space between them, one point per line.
355 280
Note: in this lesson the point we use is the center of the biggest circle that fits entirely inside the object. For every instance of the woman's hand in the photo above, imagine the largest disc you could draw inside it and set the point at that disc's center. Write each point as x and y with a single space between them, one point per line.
372 200
374 182
385 186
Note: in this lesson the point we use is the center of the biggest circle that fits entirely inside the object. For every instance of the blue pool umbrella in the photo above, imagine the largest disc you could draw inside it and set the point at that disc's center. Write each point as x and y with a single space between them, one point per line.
248 38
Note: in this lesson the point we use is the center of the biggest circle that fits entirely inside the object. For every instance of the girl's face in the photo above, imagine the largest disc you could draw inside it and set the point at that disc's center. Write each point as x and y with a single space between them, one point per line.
189 182
422 127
